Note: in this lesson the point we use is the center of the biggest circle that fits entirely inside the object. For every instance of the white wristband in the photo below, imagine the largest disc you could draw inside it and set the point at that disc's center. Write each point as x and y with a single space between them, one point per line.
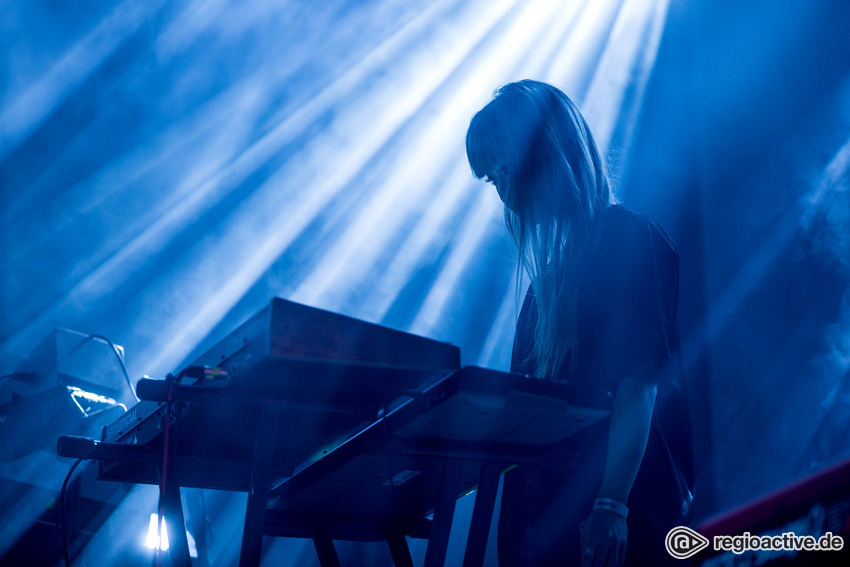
612 505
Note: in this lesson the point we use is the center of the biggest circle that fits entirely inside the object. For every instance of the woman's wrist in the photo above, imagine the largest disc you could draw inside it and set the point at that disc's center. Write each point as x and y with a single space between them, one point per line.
612 505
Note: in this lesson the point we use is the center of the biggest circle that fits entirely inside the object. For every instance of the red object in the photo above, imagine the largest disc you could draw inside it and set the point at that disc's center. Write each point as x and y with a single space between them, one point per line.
776 508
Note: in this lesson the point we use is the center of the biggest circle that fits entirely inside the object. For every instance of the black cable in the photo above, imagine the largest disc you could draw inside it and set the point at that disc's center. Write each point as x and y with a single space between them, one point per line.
78 461
162 488
62 511
120 362
117 355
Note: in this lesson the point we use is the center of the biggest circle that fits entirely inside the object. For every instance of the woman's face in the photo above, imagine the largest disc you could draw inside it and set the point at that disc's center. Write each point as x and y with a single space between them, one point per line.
500 176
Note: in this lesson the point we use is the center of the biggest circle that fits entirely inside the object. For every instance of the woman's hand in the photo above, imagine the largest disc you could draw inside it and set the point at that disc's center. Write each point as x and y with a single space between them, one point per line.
603 539
604 536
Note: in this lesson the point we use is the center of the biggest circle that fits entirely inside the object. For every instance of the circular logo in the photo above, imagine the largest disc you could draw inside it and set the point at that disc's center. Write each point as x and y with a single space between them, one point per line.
683 542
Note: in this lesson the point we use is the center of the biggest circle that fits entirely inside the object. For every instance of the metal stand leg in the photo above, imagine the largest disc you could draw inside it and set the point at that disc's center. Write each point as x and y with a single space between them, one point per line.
399 549
435 555
258 490
325 548
175 524
482 515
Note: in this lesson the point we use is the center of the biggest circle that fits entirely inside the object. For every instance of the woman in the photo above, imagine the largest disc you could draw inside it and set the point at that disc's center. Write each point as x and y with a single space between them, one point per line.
601 315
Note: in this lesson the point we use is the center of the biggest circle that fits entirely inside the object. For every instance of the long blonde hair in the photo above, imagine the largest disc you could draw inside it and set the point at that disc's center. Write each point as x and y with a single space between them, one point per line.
557 189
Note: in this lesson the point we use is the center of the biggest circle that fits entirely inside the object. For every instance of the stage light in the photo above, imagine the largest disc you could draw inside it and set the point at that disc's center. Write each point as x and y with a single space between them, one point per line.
152 541
154 536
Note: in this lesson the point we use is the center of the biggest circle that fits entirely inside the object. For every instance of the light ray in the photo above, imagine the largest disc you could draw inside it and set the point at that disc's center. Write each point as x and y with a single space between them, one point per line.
746 281
574 63
496 352
422 242
625 65
366 126
748 277
195 202
35 469
19 118
373 232
482 221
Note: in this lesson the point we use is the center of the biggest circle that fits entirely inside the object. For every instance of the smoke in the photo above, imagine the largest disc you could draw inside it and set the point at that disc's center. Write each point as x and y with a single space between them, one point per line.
827 227
827 224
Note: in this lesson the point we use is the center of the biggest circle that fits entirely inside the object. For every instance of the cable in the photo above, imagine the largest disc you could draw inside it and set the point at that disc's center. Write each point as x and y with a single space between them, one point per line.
62 511
120 361
118 355
161 508
27 375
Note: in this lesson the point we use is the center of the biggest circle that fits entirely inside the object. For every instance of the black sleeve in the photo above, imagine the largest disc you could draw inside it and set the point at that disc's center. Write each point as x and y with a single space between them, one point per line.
638 335
627 312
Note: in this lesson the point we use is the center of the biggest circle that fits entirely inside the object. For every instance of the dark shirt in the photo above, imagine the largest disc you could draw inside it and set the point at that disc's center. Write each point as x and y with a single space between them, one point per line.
627 326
